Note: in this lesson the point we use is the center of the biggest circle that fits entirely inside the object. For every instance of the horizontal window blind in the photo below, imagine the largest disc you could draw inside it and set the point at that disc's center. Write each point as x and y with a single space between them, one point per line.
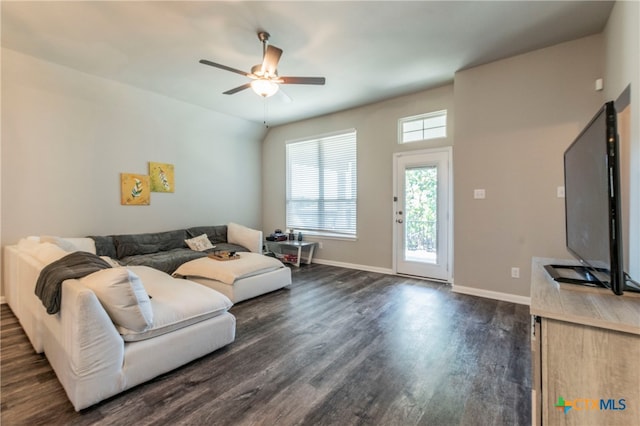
322 184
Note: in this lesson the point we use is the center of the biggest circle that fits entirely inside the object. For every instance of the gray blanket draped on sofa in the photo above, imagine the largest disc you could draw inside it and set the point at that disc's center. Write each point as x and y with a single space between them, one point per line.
74 265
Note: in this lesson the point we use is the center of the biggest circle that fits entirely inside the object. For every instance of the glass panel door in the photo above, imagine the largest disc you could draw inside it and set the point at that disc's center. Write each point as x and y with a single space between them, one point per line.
422 228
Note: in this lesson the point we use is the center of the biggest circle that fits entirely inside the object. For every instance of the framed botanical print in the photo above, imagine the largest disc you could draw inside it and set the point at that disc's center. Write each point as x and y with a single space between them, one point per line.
162 177
134 190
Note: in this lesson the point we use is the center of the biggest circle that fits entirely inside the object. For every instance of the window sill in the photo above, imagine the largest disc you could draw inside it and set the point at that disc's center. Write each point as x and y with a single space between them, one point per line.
327 235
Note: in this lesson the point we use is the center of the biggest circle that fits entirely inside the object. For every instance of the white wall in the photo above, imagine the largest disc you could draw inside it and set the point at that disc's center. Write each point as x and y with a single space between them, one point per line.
622 68
511 122
514 120
67 136
376 127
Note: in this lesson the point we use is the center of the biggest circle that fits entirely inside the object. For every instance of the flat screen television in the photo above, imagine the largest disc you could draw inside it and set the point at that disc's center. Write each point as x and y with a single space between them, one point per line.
592 206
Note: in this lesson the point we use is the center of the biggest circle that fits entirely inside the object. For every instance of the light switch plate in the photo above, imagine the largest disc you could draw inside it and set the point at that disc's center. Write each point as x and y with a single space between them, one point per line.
479 194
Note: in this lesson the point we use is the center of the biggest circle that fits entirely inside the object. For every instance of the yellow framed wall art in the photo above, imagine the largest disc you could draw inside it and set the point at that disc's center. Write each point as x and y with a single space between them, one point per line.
134 190
162 177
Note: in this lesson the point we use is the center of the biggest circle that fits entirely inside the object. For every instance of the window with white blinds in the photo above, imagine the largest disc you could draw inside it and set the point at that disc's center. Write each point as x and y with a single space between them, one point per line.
322 185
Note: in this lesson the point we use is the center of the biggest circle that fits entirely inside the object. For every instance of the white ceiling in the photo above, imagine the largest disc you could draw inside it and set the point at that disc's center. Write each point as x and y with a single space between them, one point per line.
368 51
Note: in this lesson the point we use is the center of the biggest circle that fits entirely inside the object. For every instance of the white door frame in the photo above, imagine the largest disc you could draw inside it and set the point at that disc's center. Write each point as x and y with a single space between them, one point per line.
449 152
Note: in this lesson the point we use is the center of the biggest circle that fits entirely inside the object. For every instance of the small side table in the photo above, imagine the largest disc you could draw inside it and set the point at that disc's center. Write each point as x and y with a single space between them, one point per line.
304 249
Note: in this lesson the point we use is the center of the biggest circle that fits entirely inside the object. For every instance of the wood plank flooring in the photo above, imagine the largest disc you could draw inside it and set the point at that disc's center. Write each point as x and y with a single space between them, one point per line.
339 347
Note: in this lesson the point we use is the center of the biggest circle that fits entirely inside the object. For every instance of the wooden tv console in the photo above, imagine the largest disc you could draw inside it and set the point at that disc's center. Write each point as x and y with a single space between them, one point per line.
585 349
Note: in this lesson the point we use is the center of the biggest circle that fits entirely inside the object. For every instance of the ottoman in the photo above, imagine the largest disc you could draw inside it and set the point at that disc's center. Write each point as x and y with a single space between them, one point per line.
248 276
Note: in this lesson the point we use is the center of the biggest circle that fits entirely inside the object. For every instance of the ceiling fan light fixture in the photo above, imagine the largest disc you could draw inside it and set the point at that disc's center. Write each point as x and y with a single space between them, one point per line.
264 75
264 88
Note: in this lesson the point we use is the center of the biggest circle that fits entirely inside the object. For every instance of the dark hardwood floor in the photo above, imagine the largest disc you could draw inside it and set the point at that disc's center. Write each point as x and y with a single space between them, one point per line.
339 347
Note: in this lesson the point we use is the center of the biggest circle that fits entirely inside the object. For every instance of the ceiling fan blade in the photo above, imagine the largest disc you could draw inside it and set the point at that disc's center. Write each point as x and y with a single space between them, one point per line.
271 59
302 80
237 89
223 67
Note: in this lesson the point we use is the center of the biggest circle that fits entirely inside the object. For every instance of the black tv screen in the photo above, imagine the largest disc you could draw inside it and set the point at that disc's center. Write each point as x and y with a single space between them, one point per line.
592 201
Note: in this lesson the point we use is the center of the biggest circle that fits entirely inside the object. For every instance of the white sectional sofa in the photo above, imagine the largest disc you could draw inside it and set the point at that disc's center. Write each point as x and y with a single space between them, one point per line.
119 326
88 353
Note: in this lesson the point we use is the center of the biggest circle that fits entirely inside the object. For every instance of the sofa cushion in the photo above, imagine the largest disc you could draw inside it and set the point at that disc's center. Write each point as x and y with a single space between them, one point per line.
247 265
133 244
47 253
227 247
165 261
104 246
123 296
246 237
176 303
200 243
70 244
217 234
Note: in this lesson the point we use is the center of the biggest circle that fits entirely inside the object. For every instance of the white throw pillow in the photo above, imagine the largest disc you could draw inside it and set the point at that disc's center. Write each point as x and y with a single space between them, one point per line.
123 296
71 244
246 237
27 244
43 252
48 253
200 243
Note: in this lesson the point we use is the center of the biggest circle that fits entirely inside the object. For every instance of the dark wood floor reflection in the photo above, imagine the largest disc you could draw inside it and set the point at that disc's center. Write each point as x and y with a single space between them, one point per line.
339 347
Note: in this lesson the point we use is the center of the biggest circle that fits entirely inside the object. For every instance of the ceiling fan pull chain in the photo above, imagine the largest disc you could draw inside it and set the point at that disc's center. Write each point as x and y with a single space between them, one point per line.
266 125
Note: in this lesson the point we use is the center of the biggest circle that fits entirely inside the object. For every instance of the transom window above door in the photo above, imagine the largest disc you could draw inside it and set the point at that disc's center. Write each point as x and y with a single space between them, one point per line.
432 125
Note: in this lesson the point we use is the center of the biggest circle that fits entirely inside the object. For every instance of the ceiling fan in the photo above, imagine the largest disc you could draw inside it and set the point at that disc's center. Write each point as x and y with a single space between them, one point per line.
265 79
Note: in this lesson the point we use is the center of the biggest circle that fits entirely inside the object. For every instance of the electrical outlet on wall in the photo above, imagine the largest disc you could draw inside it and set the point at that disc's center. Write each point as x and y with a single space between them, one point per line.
479 194
319 244
515 272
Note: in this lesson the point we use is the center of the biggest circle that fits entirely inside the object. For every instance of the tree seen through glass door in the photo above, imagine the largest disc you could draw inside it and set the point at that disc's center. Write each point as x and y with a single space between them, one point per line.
421 214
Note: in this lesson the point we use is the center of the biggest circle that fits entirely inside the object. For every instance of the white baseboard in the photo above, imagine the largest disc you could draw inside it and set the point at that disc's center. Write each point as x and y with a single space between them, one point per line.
3 300
353 266
505 297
